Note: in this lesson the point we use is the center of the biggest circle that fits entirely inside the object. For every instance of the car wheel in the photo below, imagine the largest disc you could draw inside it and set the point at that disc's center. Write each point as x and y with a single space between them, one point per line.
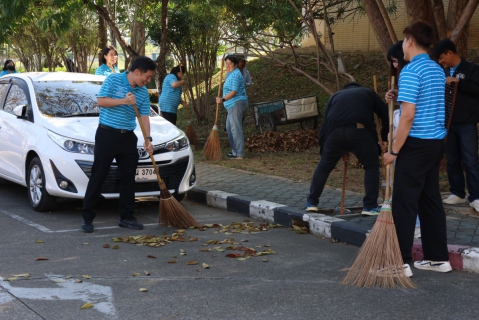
179 196
38 196
309 124
266 123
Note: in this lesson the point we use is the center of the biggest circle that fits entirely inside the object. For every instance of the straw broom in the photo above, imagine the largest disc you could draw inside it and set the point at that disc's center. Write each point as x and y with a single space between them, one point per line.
212 149
171 211
190 131
379 262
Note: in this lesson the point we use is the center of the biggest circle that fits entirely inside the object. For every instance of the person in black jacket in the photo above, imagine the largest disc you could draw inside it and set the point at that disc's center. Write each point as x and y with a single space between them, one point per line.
461 143
349 127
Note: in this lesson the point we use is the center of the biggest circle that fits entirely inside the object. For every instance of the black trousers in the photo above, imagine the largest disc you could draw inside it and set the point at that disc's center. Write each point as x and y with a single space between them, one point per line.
340 141
111 145
416 192
170 116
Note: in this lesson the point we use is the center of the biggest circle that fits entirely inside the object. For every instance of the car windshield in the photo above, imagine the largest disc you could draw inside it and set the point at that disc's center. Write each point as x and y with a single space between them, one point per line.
67 98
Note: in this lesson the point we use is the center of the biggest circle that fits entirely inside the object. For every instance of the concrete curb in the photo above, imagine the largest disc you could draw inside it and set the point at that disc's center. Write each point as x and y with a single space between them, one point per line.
461 257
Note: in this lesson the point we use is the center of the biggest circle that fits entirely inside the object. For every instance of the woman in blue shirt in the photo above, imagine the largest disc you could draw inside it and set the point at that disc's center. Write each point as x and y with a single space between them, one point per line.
108 62
171 91
8 67
236 103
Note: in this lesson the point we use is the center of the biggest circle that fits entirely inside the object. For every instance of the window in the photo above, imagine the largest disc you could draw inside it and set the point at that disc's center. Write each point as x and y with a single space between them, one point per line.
15 97
3 90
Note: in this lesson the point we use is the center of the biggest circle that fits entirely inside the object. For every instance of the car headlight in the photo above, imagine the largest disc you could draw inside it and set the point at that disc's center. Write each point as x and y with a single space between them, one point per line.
178 144
72 145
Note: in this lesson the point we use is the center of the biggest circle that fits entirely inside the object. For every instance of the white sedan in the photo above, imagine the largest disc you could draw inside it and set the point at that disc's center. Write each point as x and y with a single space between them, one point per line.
48 122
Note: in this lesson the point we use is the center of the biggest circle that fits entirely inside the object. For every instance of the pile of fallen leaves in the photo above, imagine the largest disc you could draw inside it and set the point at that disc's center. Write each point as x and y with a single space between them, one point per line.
283 141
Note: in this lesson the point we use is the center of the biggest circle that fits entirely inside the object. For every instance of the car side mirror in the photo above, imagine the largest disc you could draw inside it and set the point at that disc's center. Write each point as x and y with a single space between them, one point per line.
20 111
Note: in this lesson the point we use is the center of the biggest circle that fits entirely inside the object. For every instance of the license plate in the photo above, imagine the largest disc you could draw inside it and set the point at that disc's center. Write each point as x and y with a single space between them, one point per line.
145 174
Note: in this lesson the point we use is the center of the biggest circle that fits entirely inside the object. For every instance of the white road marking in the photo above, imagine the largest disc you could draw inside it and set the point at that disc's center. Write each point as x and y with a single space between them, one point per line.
100 296
46 230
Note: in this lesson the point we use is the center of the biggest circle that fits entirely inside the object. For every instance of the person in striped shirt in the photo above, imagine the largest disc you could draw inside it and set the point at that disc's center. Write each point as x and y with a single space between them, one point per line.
171 92
236 103
418 150
115 139
108 60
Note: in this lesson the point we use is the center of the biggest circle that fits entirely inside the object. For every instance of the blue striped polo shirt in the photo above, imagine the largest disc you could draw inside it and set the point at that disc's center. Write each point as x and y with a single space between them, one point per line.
170 97
234 82
105 70
116 86
422 82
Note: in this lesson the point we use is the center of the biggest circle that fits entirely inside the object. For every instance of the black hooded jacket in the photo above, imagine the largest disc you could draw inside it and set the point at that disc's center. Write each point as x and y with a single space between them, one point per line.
354 104
466 107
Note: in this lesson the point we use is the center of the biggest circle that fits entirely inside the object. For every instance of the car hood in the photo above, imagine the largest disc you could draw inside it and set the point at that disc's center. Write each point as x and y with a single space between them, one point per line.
84 129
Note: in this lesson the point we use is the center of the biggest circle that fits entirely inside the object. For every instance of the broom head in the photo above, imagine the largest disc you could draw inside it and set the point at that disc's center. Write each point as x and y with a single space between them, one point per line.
212 148
173 213
191 134
379 262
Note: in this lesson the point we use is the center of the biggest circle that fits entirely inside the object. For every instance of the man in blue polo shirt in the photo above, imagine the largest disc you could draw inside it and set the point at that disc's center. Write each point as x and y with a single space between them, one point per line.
418 150
115 139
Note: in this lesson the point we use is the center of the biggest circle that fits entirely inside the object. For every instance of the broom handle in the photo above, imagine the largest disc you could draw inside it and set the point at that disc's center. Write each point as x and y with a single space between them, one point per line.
380 139
390 109
161 183
219 89
343 191
184 94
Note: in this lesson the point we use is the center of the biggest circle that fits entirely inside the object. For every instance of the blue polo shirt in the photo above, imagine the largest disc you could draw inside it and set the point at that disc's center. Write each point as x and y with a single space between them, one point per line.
170 97
234 82
4 72
116 86
422 82
104 70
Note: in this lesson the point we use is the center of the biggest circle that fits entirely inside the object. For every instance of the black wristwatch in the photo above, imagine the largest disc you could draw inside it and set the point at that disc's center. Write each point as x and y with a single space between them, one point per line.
393 153
150 138
223 99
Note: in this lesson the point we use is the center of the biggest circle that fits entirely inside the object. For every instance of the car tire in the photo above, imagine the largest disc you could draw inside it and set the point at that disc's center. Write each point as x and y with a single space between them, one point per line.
38 196
179 196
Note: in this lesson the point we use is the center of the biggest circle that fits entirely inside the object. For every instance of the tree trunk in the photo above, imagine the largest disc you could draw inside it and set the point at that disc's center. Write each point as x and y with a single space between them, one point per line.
422 10
102 35
437 7
389 25
160 66
379 26
458 17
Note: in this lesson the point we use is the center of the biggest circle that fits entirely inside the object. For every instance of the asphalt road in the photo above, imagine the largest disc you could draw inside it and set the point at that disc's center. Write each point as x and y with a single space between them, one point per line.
301 281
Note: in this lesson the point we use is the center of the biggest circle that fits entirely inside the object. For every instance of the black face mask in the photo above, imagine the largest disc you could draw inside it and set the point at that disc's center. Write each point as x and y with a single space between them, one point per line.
11 68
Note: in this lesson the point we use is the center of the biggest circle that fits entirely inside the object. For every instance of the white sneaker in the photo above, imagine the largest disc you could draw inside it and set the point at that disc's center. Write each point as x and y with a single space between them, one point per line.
475 204
453 199
438 266
417 232
407 270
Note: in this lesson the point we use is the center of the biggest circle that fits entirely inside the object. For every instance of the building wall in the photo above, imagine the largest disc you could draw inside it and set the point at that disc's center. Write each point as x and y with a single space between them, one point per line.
356 34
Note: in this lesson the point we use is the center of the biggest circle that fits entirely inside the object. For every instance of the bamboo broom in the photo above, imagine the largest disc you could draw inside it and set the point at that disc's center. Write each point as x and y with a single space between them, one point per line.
378 129
379 262
171 211
190 131
212 149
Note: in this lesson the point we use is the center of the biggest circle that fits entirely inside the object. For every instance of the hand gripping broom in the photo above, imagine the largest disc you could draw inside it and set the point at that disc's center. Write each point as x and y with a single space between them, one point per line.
171 211
379 262
212 149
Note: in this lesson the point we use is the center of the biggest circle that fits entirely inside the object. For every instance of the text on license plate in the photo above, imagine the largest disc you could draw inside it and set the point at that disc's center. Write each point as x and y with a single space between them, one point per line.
145 174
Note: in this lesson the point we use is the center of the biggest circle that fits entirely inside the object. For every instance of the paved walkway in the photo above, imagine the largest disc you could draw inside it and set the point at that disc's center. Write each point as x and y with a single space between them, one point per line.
462 222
